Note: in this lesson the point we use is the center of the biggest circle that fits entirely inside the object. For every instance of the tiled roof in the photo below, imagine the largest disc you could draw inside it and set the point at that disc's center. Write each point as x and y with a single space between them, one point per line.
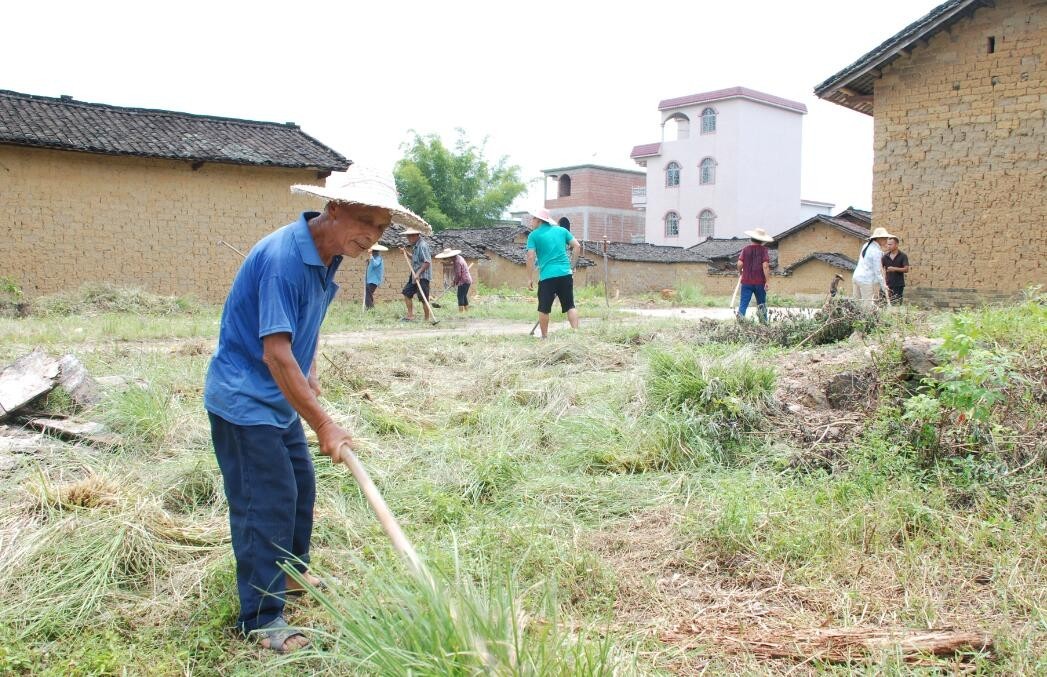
646 150
836 260
393 238
732 93
858 78
641 251
498 240
719 248
855 215
725 265
849 227
65 124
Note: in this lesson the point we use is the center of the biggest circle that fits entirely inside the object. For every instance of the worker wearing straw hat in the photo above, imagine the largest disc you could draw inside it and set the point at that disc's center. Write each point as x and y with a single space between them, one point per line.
262 382
547 250
460 276
868 279
754 268
418 280
375 274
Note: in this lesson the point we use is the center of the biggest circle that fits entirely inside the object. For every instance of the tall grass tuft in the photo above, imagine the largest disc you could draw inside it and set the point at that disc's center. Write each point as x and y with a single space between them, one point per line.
392 623
98 298
734 386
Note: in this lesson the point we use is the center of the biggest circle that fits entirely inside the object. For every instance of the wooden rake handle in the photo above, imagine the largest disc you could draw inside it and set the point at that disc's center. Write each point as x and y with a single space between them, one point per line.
385 517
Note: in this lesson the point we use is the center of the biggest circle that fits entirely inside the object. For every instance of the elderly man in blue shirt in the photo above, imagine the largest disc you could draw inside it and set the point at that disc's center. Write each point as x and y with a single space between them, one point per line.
262 382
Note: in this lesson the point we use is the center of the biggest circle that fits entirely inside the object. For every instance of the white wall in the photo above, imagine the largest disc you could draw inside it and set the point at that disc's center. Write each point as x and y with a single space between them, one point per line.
757 150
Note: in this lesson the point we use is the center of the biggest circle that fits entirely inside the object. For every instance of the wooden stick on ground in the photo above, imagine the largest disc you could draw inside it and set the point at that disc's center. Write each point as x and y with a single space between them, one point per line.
421 292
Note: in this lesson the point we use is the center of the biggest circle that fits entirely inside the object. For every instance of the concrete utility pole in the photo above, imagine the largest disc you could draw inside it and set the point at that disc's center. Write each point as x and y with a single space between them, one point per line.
606 297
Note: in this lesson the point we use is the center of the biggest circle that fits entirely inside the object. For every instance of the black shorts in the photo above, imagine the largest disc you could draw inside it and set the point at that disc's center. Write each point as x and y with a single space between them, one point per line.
411 289
896 294
463 294
556 287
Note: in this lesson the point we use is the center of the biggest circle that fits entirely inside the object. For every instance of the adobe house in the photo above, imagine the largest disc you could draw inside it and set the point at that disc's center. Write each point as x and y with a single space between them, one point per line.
91 193
596 202
804 258
958 101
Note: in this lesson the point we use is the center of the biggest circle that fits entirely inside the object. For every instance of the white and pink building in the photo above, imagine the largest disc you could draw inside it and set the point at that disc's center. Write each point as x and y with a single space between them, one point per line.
732 164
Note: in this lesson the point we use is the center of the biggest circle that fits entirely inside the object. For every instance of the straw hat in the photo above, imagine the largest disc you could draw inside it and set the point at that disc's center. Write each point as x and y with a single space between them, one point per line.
365 186
411 231
447 253
759 234
379 248
880 232
544 215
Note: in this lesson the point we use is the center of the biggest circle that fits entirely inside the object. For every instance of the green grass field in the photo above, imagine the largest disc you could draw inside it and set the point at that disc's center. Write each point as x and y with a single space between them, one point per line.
633 498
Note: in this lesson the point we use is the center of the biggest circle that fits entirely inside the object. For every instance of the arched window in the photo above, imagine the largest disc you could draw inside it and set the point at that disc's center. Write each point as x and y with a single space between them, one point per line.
672 224
563 186
672 175
683 125
706 223
708 121
708 171
565 223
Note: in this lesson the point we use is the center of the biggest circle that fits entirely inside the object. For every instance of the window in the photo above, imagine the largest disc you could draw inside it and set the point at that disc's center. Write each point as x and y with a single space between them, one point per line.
672 224
563 186
706 223
708 171
672 175
708 121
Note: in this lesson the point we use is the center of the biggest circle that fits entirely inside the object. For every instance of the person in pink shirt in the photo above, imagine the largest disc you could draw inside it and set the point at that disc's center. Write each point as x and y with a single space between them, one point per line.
460 276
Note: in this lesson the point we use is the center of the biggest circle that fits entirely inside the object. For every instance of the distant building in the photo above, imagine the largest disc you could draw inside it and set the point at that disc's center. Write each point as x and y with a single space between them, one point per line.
595 202
97 193
733 164
958 100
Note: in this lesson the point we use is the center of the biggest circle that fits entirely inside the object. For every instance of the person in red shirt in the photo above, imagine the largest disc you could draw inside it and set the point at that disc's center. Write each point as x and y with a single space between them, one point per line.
754 267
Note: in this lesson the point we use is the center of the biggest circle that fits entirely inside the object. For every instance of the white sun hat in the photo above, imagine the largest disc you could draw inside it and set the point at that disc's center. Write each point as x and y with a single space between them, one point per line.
880 232
379 248
759 234
365 186
544 215
447 253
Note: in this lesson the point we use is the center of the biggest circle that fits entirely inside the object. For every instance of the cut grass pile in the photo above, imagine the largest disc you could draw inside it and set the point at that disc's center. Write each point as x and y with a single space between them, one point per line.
606 502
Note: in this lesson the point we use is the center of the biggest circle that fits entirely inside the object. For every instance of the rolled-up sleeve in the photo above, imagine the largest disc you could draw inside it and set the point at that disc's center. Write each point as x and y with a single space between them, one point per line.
278 305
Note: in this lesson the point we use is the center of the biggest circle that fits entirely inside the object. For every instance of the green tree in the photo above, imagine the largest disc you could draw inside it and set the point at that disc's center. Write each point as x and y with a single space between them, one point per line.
455 188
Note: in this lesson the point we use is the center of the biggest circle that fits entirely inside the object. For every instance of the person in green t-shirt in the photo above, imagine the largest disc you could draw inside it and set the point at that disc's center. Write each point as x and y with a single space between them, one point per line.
547 247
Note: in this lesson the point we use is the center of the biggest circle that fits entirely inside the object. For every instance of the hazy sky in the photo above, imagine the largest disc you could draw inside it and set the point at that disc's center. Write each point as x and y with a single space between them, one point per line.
549 83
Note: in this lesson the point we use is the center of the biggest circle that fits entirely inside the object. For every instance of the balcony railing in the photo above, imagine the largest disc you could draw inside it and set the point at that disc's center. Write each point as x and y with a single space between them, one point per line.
639 197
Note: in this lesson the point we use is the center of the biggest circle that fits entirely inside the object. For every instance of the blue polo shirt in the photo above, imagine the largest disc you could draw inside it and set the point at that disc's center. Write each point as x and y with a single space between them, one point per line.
282 287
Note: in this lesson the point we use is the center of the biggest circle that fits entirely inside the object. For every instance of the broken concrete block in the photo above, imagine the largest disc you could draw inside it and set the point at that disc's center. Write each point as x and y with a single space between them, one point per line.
921 354
76 430
74 379
26 379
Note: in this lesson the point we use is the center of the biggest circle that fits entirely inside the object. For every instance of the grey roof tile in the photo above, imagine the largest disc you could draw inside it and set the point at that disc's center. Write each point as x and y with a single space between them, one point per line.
65 124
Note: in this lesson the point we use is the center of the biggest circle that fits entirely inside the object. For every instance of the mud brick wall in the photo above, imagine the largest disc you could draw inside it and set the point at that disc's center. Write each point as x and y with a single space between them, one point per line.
960 167
68 218
818 237
810 279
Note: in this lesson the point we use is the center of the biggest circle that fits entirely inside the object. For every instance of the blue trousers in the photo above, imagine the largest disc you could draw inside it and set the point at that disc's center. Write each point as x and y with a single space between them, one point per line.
271 488
747 293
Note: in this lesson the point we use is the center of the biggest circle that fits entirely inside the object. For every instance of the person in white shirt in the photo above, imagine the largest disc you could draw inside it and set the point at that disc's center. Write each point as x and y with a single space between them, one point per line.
868 279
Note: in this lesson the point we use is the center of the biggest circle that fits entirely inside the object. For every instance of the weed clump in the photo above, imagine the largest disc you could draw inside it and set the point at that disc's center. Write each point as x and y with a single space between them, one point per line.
833 323
103 297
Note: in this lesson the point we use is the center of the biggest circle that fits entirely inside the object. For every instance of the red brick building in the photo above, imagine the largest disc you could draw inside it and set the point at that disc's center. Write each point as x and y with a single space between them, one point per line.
596 202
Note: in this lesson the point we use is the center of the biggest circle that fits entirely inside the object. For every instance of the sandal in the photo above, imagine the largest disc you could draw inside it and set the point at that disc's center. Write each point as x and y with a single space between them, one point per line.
277 631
